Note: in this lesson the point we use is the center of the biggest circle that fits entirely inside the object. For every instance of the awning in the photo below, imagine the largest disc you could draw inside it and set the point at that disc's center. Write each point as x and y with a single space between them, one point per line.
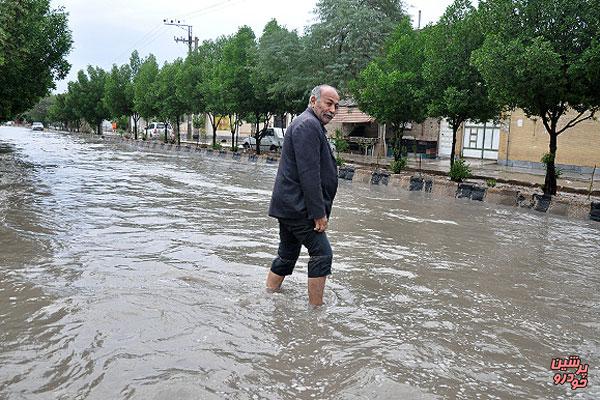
352 115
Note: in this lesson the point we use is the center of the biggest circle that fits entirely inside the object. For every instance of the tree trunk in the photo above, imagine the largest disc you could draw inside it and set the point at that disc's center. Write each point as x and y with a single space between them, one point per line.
550 180
178 134
99 128
232 129
257 134
453 150
214 128
135 126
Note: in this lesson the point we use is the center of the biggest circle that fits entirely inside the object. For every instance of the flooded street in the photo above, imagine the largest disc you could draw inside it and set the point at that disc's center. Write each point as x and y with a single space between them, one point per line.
131 274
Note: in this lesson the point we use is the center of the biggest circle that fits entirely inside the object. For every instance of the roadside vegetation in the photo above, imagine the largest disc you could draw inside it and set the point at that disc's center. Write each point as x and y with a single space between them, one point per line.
475 63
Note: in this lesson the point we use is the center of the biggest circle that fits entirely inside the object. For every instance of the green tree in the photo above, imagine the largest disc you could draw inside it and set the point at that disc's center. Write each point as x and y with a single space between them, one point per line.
266 101
288 84
171 107
87 94
391 89
544 57
455 87
34 42
347 36
189 86
58 112
189 81
118 92
235 71
119 96
40 112
211 86
134 64
144 96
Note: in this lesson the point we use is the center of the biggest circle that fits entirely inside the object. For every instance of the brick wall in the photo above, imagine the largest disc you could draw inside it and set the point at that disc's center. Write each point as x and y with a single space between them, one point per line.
529 141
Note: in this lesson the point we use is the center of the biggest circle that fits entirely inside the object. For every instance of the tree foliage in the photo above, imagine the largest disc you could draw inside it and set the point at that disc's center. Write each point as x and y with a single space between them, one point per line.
235 72
212 86
348 35
455 87
118 91
87 95
170 105
544 57
286 76
144 96
34 41
63 111
391 88
41 110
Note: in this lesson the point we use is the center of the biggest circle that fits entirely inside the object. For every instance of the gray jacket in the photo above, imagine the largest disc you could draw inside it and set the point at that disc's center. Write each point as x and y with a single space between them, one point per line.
306 181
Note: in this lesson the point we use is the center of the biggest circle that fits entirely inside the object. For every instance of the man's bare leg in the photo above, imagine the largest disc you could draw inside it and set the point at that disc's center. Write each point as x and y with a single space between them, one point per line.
316 286
274 281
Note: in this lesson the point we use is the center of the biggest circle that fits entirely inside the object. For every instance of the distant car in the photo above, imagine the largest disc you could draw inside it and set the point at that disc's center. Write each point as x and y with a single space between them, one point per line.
9 123
156 130
273 140
37 126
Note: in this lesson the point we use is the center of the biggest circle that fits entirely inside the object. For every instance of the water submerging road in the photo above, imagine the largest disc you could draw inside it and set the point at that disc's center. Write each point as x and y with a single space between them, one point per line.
139 275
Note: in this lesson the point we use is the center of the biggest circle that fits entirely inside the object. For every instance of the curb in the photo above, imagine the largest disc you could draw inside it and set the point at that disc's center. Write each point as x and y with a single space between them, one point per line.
193 150
518 194
523 197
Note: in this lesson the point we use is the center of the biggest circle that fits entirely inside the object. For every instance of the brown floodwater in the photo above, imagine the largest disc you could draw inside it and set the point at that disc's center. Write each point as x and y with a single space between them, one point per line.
130 274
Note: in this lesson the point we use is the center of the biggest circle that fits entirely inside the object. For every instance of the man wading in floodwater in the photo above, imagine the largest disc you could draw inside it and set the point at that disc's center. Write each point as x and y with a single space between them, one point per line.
304 189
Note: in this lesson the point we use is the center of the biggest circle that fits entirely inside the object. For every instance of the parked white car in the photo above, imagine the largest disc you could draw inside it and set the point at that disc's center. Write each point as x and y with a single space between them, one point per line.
156 130
37 126
273 140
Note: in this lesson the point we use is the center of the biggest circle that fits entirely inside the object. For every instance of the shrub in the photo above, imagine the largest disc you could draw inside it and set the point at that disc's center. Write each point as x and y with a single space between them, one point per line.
217 146
459 171
341 144
398 165
339 161
490 182
558 172
547 158
404 151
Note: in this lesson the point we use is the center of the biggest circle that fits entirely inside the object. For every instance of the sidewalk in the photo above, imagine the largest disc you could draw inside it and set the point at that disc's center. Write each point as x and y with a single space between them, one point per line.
481 169
484 169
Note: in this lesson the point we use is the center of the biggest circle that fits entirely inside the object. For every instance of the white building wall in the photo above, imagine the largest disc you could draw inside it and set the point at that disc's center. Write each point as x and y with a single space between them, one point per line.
445 139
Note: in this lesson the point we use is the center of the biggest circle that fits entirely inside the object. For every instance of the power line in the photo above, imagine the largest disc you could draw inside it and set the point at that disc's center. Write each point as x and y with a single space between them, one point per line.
142 42
211 8
154 33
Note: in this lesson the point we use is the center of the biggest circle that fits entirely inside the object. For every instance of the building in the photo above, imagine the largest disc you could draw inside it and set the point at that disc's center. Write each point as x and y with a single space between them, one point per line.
525 141
365 134
473 140
521 141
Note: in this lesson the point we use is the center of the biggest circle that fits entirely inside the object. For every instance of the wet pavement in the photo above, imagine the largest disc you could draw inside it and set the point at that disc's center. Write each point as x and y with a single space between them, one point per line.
131 274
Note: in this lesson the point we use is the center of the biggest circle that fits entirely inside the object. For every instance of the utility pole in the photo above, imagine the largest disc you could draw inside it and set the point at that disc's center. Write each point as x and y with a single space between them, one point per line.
189 41
178 23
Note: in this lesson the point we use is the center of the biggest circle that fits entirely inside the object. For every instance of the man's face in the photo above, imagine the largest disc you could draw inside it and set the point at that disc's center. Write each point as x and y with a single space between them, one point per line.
326 107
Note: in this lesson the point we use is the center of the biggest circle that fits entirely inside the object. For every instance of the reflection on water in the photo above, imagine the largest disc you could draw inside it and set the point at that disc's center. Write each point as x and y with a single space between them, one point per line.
137 275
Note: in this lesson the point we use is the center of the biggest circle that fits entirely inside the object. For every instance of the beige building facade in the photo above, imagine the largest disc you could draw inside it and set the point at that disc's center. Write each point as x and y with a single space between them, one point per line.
524 140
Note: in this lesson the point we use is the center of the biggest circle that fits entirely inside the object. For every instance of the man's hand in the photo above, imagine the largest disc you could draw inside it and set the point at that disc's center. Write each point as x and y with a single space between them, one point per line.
321 224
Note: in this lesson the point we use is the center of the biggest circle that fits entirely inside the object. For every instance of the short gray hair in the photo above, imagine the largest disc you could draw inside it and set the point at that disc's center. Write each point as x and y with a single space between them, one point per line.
316 91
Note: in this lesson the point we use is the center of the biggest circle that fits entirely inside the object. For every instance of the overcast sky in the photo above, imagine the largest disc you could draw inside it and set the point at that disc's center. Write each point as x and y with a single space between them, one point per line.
105 32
